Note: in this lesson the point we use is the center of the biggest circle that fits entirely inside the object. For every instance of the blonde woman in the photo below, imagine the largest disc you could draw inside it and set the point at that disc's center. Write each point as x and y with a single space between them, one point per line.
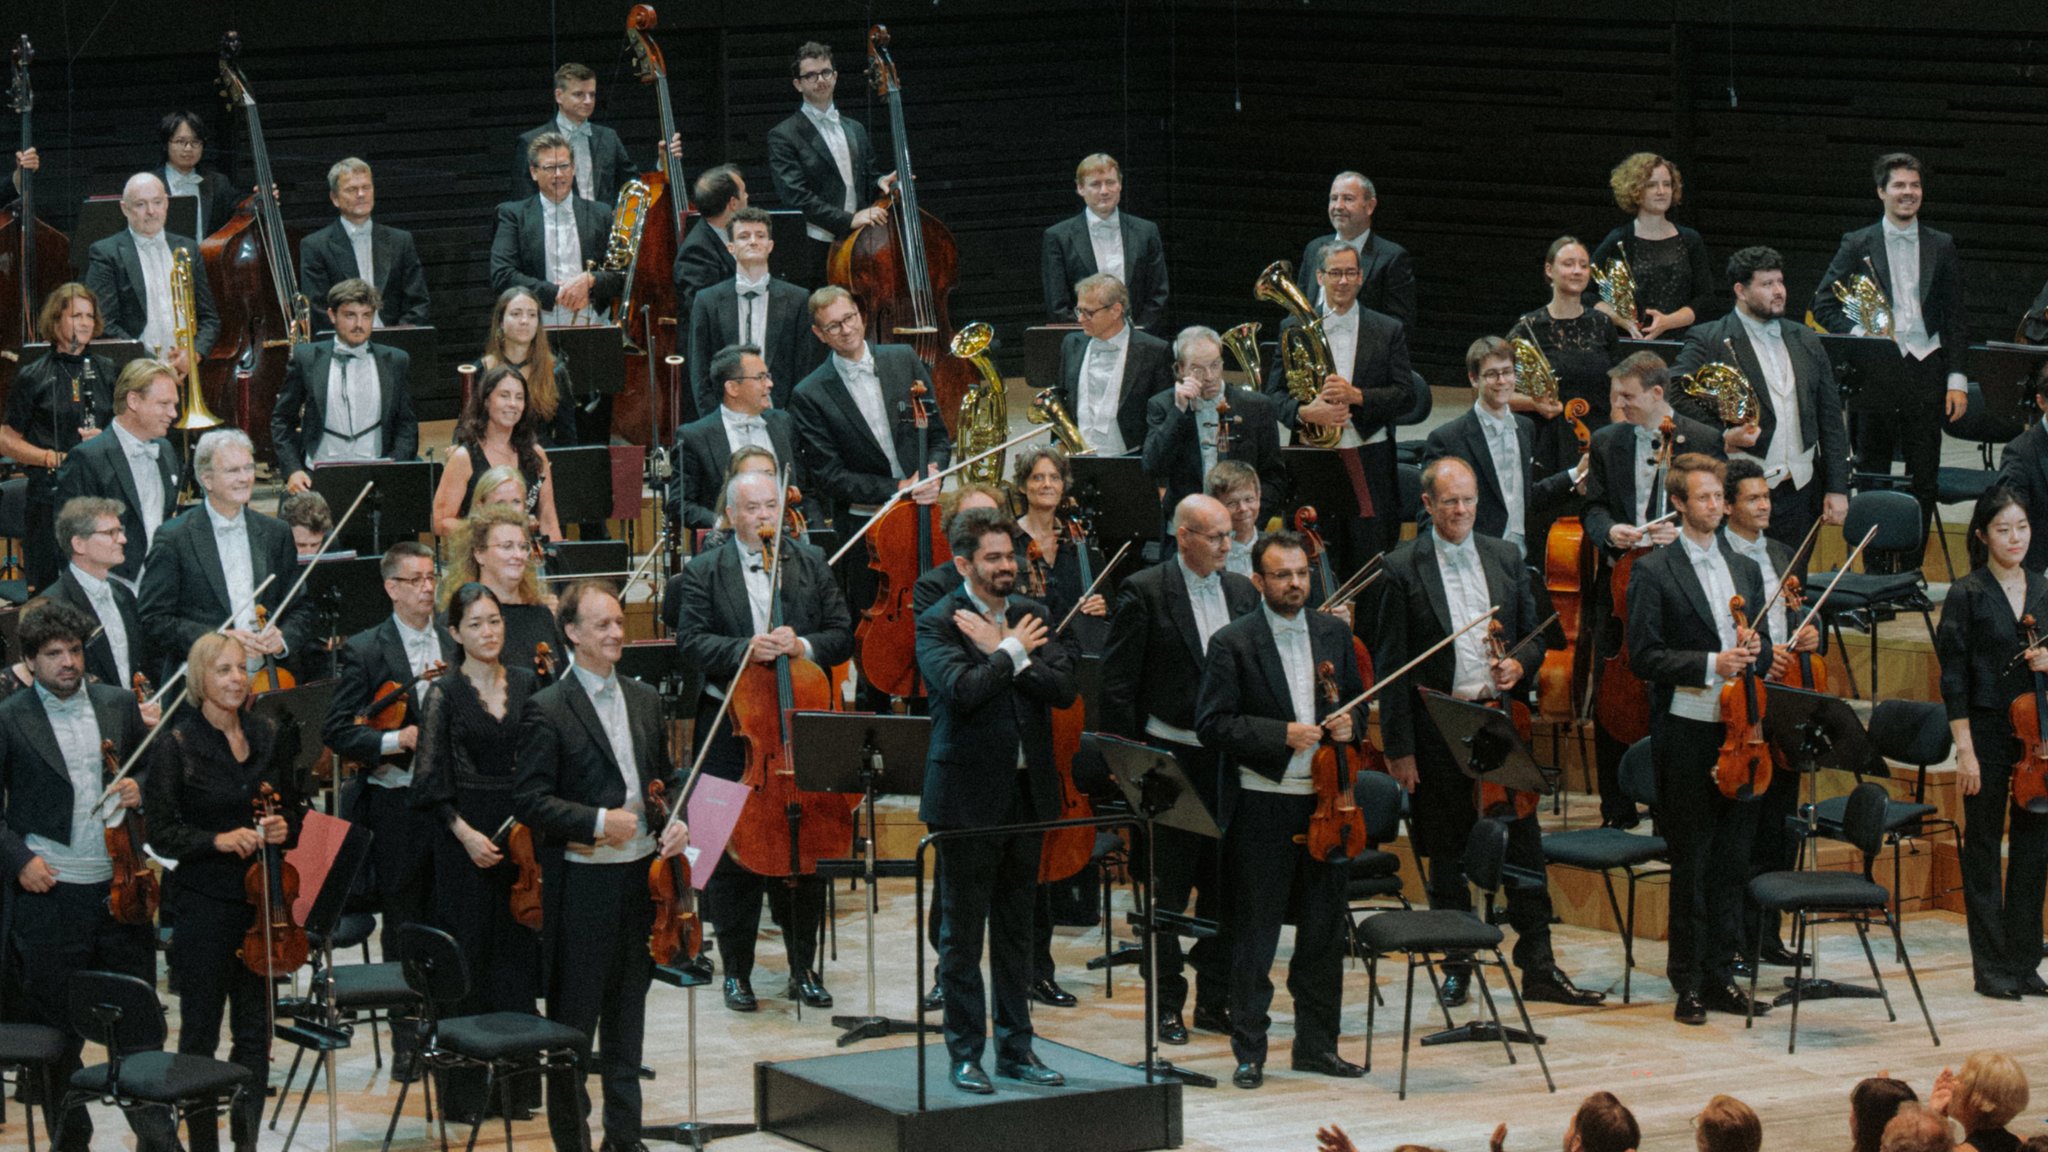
494 547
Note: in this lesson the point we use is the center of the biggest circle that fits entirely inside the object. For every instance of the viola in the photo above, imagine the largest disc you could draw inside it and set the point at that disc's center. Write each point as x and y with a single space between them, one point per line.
1223 422
1742 770
275 943
1498 799
39 252
132 898
1336 829
1805 672
904 544
526 887
270 677
794 525
1570 568
647 305
677 929
544 663
903 273
1623 700
2029 715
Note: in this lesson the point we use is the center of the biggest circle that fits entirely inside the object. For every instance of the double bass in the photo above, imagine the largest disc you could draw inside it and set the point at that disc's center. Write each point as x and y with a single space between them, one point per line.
902 273
1570 570
647 306
902 545
34 256
1623 700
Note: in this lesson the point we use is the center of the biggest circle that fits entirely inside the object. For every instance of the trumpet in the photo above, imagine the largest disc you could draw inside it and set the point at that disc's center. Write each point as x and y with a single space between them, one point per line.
1865 302
984 419
1726 385
1617 285
1304 350
1534 377
193 415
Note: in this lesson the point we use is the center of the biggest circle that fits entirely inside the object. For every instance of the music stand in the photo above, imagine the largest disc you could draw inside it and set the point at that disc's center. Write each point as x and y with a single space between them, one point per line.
435 394
301 711
596 355
119 351
1042 354
1869 370
399 507
1667 350
1319 480
1811 731
583 482
356 588
875 755
2003 373
1125 500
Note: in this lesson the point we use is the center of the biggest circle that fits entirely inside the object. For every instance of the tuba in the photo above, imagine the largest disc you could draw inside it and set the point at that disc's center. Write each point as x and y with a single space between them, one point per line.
1534 377
622 247
1617 285
1725 386
1304 352
1047 409
1865 302
193 415
985 410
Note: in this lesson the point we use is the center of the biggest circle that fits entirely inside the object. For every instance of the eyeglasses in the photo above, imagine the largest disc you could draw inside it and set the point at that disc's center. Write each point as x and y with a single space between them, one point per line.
1341 274
1213 539
114 533
412 581
1492 374
768 376
820 74
181 142
511 546
840 325
1091 313
554 168
1211 370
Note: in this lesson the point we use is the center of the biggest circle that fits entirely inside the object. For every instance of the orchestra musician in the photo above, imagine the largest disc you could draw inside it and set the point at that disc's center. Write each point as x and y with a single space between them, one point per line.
462 769
500 428
1922 277
354 247
1500 446
1181 424
95 544
724 620
183 174
940 580
205 773
397 650
1110 370
310 519
994 671
206 564
494 547
1370 385
1151 670
1674 280
823 164
518 341
1580 344
1386 275
1235 485
751 307
2023 465
745 415
600 166
129 273
2033 326
1437 583
703 258
1796 393
1265 745
344 399
590 743
1684 644
546 242
1103 240
1978 642
58 401
51 846
136 465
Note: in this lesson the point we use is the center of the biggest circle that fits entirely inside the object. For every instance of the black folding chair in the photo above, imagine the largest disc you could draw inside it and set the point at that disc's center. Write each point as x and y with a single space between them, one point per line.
123 1014
1901 529
1611 850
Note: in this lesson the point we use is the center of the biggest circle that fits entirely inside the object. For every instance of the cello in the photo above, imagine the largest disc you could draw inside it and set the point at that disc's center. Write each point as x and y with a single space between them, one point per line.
1063 852
1570 568
263 315
1742 770
34 256
902 544
2029 715
902 273
1623 701
647 306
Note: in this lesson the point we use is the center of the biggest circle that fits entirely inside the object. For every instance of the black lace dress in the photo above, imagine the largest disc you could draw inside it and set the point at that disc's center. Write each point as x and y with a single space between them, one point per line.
1672 273
1580 350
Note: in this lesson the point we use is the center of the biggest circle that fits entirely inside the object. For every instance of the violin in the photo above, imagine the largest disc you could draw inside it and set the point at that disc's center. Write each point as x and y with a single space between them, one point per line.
1336 830
902 546
544 663
133 896
389 709
1805 672
1498 799
275 943
518 845
270 677
794 525
1742 771
677 931
2029 714
1623 700
1570 568
1223 422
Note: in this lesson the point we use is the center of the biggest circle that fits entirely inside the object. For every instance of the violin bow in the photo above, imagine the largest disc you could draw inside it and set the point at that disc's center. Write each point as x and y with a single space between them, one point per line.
332 534
1403 670
1812 534
902 494
1349 589
1099 578
1823 597
1533 633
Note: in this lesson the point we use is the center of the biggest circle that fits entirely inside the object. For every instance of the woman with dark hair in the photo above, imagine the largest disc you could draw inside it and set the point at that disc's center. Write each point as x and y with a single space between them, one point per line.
1668 262
58 401
1580 345
517 340
1042 475
1872 1104
462 773
497 427
1979 643
184 137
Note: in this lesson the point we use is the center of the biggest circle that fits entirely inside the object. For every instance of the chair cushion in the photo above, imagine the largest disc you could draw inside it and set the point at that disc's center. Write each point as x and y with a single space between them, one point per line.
1372 863
353 928
1372 887
1897 814
29 1044
1817 890
1860 589
1424 931
165 1078
1598 849
372 986
496 1035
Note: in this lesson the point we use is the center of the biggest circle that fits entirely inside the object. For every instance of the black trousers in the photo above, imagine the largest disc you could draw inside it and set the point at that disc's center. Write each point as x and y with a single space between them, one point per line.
1273 879
2005 926
1600 628
1444 805
732 903
987 885
1909 427
597 984
1185 863
1775 848
39 547
402 869
212 983
1793 511
475 906
64 931
1710 839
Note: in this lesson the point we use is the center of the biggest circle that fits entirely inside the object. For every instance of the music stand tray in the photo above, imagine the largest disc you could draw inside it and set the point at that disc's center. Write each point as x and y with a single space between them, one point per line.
1869 369
400 507
2002 372
596 357
1318 479
1042 354
583 483
304 708
354 588
1124 499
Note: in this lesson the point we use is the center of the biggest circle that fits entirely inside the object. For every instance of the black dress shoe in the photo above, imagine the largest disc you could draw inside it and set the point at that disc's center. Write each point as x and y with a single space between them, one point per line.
1997 990
1775 952
1171 1029
617 1146
1456 986
1249 1074
1729 998
1552 986
1742 967
2031 984
810 988
934 999
1031 1070
405 1068
700 967
1689 1009
739 994
1622 822
1212 1019
1327 1064
1048 991
968 1077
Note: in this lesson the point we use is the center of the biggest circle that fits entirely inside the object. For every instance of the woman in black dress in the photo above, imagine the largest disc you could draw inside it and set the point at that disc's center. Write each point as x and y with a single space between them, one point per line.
1675 284
497 427
203 781
494 547
1977 642
462 773
518 341
1580 344
57 401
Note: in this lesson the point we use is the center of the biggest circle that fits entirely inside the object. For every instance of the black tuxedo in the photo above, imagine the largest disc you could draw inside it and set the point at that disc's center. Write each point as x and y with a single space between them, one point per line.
1148 371
326 258
787 345
113 271
1066 257
566 768
299 420
1153 663
33 774
1389 285
184 589
840 452
701 261
1173 455
1382 373
99 654
1821 427
2024 466
610 167
519 254
1611 496
99 467
368 660
1244 706
703 453
1941 284
1465 438
806 178
716 622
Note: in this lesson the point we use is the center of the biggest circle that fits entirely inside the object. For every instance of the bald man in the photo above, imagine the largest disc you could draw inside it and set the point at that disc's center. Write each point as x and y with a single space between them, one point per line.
130 272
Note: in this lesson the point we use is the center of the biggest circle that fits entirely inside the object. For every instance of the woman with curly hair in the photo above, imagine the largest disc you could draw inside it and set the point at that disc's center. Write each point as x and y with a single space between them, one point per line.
494 547
1673 276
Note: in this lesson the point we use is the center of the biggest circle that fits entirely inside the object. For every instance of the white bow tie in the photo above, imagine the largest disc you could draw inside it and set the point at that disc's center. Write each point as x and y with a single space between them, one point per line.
750 424
139 451
1291 628
1205 584
830 115
1108 227
752 287
234 525
343 352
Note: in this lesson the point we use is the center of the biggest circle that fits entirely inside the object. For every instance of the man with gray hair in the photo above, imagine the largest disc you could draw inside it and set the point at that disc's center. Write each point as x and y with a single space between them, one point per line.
1916 1129
207 564
1109 370
90 533
355 247
130 272
1201 420
1388 283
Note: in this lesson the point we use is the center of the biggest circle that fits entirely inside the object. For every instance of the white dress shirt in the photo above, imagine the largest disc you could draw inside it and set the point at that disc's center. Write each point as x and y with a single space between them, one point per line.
1240 558
1106 237
565 256
1704 704
753 309
865 386
366 260
1101 389
1467 597
1504 445
1646 471
1205 597
1341 330
1206 421
828 126
742 430
84 860
609 701
101 593
238 567
1297 662
579 149
1909 321
1787 450
141 456
159 329
178 183
355 409
422 650
1759 551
